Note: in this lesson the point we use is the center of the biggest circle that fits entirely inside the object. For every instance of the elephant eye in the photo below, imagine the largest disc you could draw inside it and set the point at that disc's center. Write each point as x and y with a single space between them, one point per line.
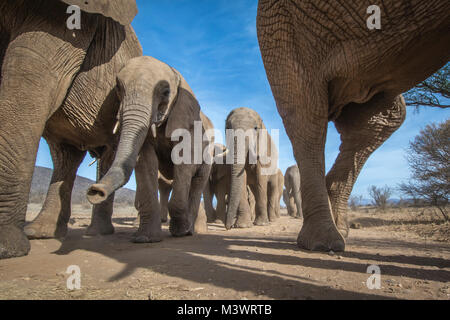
166 93
256 128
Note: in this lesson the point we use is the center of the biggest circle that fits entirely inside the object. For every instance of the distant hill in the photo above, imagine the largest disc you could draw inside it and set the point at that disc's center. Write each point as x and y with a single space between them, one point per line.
41 181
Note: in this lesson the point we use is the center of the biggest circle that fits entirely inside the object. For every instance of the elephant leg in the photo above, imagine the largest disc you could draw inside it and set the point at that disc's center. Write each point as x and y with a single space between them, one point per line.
101 219
289 203
198 217
272 197
164 193
252 204
147 202
55 213
259 190
363 128
244 213
37 70
208 195
221 209
297 198
303 106
180 223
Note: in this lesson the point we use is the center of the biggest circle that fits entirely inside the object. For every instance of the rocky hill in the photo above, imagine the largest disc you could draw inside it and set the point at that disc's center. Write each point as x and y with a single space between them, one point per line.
41 181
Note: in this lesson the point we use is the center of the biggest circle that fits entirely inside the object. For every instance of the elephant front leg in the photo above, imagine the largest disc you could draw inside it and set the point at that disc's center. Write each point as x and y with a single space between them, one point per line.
101 219
29 95
180 222
272 198
259 189
147 202
55 213
363 129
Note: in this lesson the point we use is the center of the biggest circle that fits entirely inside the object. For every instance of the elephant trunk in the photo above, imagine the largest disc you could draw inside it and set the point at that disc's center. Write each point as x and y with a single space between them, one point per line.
236 188
136 121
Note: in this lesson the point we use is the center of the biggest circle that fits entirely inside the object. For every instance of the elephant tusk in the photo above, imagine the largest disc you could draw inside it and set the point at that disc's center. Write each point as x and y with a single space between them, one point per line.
154 130
116 127
222 155
92 163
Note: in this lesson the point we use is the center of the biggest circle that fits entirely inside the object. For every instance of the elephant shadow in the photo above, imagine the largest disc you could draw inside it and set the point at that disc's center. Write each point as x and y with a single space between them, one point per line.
208 259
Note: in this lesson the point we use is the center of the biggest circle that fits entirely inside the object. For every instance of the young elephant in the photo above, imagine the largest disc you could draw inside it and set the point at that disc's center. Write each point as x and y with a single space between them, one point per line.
291 195
218 185
157 104
255 173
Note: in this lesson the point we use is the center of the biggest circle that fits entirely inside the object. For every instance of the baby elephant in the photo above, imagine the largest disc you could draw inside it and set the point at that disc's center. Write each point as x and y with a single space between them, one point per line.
157 106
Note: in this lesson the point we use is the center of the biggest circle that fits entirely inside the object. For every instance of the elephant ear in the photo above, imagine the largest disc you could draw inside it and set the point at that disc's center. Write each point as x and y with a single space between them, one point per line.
122 11
184 112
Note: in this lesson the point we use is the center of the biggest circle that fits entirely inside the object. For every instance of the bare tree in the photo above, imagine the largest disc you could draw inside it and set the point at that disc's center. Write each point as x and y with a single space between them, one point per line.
428 158
431 91
380 196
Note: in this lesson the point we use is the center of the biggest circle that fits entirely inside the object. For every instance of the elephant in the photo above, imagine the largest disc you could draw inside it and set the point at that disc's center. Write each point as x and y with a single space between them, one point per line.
157 109
326 61
218 185
253 161
291 195
60 84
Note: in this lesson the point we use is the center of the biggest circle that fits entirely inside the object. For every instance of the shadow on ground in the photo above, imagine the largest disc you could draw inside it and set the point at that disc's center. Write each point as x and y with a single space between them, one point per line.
198 259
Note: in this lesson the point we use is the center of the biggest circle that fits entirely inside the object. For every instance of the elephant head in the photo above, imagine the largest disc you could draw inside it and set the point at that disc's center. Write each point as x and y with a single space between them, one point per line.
154 98
244 127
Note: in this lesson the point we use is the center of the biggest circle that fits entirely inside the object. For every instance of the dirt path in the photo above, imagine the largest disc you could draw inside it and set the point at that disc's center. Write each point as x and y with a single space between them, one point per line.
257 263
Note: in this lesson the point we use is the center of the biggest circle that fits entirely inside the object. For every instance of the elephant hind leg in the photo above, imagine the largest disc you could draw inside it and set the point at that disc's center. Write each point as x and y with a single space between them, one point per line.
198 217
304 109
55 213
164 193
363 128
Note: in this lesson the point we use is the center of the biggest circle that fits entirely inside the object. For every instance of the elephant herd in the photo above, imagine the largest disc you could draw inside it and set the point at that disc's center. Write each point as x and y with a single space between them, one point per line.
92 90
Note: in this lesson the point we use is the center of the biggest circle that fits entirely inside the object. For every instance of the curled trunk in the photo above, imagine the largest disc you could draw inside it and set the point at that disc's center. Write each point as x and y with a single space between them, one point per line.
135 127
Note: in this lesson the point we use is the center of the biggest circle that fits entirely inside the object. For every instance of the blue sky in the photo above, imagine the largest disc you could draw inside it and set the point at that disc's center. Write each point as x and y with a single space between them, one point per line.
213 44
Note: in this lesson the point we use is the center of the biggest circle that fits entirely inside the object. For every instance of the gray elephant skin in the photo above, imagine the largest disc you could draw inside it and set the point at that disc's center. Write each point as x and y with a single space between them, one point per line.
155 102
218 186
251 174
59 84
324 64
291 194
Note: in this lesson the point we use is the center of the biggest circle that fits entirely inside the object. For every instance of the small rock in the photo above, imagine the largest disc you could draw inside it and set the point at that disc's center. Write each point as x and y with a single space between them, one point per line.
355 225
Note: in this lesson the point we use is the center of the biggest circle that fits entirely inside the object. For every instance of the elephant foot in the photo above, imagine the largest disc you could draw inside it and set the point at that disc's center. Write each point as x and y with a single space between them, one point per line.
149 230
342 225
99 228
13 242
180 227
319 235
143 236
261 222
243 223
273 218
45 229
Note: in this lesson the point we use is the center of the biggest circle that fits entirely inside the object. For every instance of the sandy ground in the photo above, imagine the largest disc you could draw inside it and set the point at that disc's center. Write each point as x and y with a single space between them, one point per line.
256 263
